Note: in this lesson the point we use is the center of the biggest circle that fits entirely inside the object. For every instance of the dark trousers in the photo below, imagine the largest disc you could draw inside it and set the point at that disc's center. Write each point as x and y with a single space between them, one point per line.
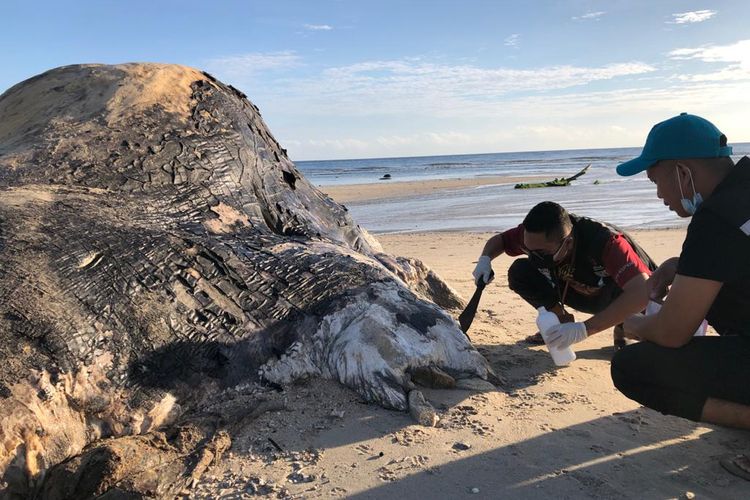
678 381
526 280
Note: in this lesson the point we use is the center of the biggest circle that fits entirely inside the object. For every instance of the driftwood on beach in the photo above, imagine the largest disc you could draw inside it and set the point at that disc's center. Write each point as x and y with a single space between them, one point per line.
561 182
162 261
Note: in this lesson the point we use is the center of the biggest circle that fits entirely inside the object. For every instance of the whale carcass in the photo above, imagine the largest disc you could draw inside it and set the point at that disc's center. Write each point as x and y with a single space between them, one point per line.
156 246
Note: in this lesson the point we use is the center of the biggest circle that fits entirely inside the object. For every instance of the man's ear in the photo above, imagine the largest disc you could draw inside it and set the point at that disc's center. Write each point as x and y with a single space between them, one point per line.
684 173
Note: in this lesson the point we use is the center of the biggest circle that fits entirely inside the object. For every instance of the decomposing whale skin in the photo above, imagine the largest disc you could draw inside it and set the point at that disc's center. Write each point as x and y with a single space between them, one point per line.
157 245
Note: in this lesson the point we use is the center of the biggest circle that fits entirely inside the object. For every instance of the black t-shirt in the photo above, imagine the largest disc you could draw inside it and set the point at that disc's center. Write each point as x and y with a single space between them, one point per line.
717 248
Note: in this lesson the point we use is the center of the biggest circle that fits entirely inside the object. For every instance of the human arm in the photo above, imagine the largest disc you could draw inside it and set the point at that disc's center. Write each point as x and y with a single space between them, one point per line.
630 273
483 272
686 306
633 299
494 246
711 255
509 242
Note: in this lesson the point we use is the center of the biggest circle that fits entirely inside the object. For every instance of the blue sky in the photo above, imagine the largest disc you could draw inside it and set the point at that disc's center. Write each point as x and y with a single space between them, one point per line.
354 79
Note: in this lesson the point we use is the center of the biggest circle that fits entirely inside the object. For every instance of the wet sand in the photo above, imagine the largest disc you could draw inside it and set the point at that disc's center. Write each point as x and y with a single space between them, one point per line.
348 193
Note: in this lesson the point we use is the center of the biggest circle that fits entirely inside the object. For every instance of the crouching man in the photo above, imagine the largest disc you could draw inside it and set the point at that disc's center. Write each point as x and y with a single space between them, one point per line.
698 378
588 265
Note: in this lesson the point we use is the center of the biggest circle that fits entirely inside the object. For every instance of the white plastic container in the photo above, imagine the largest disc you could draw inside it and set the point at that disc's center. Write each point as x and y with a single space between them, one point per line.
653 308
544 321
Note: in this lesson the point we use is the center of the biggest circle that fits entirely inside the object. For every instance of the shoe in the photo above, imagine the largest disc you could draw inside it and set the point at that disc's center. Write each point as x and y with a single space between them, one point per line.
619 337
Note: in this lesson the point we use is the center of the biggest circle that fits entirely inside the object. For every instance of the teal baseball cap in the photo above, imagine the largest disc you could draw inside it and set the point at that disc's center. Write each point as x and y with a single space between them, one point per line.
681 137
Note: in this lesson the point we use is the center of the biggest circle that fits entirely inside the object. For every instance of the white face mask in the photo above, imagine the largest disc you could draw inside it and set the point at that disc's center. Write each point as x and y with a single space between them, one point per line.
690 206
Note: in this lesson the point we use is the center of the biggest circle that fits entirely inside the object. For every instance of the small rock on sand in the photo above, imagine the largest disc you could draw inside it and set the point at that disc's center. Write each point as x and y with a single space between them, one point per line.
460 446
421 410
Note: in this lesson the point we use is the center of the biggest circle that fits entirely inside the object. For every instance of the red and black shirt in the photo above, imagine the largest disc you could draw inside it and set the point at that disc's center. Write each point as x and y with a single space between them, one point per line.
602 254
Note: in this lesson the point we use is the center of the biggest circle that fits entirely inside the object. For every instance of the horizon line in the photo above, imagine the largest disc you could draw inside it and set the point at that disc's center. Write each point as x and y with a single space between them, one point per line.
491 153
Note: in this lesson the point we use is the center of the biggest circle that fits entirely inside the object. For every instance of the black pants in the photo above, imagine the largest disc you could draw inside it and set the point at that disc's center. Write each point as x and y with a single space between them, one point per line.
526 280
678 381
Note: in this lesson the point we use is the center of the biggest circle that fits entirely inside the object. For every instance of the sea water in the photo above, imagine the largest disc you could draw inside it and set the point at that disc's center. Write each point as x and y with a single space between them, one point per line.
629 202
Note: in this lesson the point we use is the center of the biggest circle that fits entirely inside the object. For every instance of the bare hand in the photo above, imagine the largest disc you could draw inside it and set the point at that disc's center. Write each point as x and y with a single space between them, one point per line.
659 282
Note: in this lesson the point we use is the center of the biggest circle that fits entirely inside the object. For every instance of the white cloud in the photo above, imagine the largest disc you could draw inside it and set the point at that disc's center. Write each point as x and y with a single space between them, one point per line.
540 122
318 27
435 138
736 54
246 64
392 86
696 16
338 145
411 107
414 106
589 15
512 40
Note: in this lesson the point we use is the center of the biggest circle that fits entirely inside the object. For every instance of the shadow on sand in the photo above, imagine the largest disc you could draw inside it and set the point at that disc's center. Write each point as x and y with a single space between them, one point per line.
634 454
609 457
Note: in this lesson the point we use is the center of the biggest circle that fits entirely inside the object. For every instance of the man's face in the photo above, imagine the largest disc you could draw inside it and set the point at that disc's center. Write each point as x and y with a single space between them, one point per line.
553 247
664 175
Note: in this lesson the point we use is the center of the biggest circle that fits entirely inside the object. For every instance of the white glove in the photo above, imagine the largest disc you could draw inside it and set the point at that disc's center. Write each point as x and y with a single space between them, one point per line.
565 335
483 270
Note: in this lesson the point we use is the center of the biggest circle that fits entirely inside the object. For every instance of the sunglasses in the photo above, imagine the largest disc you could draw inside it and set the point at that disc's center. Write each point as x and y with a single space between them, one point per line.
542 254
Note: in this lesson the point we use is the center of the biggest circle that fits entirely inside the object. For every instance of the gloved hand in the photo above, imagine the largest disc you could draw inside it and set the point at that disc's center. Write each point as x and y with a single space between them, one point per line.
565 334
483 270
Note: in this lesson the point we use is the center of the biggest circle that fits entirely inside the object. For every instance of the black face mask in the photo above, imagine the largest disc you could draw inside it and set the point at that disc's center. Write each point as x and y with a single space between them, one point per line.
542 260
546 260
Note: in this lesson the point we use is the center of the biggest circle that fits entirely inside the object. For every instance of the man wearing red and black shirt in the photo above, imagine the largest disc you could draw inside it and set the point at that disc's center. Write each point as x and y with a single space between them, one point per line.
588 265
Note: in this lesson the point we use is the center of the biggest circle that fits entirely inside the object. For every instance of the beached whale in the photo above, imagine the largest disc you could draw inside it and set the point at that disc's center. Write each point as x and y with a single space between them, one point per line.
157 246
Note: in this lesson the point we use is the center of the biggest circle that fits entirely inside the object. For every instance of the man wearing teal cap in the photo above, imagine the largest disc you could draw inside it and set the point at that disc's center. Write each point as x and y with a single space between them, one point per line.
700 378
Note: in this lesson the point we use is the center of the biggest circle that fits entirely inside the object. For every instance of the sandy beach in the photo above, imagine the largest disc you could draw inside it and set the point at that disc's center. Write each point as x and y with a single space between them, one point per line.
545 433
